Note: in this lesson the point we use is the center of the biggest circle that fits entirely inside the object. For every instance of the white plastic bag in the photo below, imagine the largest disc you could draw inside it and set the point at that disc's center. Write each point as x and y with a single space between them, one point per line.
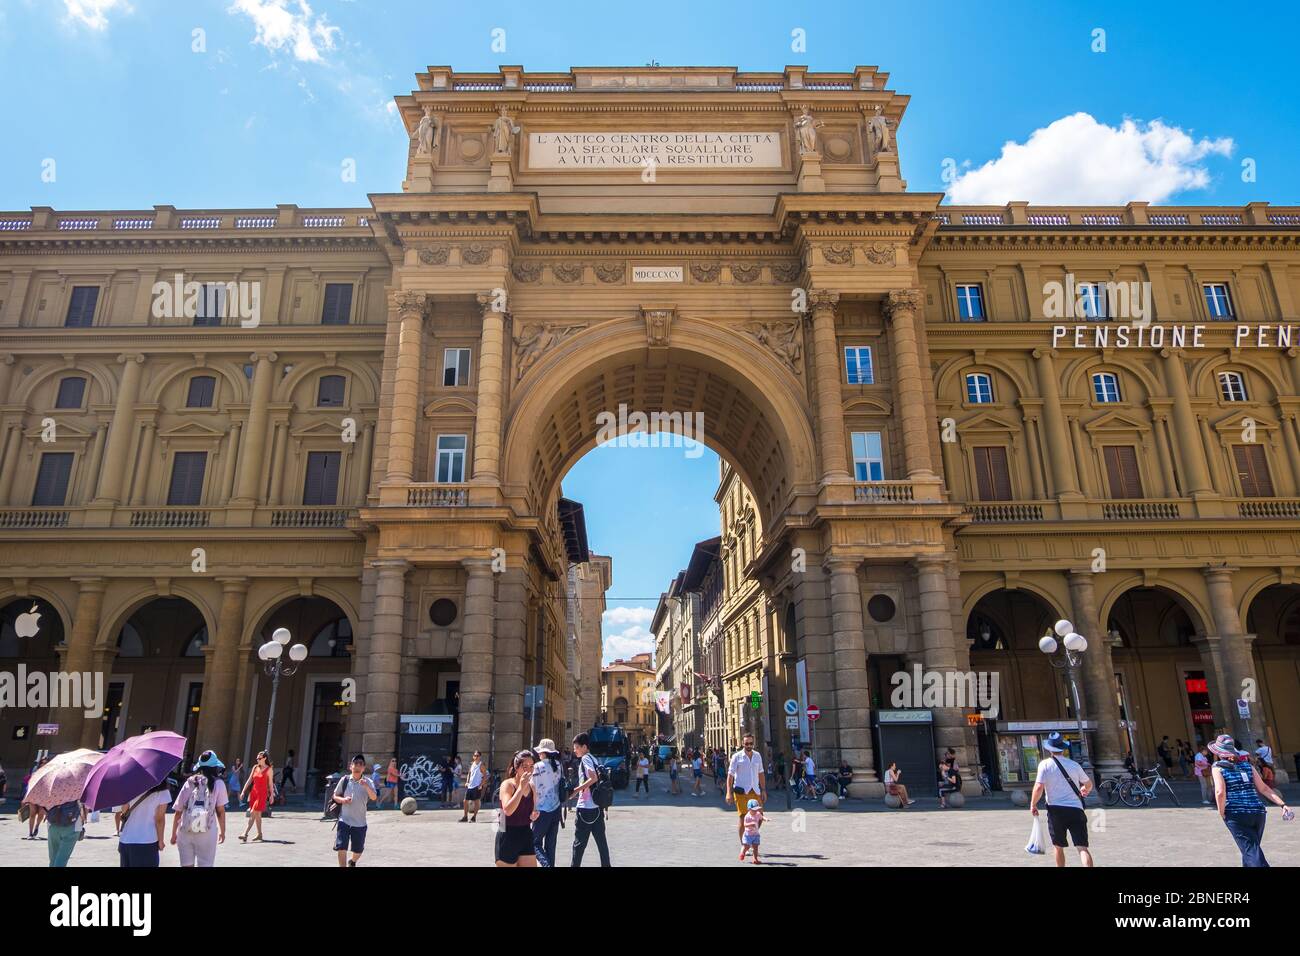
1036 842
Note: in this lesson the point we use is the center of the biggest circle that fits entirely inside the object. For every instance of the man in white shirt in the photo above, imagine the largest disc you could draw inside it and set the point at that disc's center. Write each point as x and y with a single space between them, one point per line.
1065 785
473 790
746 780
809 776
1264 752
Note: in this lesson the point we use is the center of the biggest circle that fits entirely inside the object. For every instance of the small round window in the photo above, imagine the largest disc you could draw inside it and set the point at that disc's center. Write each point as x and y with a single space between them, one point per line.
442 612
881 608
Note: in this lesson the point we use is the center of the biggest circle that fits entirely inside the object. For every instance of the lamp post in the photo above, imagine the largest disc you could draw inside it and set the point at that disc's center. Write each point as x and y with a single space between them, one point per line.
1074 646
272 656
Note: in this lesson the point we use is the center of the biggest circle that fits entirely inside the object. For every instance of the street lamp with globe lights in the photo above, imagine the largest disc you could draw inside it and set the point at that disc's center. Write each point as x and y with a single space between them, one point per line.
272 655
1074 645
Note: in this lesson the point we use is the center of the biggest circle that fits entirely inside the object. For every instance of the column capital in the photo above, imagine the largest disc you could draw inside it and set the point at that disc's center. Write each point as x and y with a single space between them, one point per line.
898 301
90 585
259 357
1081 574
128 357
931 562
399 565
822 299
409 303
1044 354
1218 570
9 359
477 566
841 563
234 585
1171 353
487 302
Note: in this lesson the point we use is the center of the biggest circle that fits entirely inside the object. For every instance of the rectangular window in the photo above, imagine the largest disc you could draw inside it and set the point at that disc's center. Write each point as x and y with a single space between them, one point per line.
1092 300
1105 387
338 304
1122 471
202 390
970 303
211 304
187 478
979 389
81 307
52 480
1252 470
992 475
455 366
451 458
868 457
329 394
72 392
322 484
1218 302
857 365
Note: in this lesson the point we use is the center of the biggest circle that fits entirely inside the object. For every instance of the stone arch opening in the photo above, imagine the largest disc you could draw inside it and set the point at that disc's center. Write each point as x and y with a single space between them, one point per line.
1273 616
31 630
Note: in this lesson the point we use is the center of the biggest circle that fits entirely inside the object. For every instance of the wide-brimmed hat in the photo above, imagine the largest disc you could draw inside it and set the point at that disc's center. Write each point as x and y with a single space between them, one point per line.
546 746
1224 746
1056 744
209 759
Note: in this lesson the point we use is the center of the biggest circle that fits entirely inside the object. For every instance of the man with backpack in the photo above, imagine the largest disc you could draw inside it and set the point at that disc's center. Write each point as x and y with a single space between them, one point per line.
352 794
595 793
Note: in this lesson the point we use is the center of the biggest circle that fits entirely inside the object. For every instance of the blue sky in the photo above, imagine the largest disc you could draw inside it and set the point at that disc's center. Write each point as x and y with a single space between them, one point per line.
270 99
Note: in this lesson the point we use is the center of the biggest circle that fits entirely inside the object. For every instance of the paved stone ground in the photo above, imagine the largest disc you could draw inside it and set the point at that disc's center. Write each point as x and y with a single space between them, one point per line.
698 831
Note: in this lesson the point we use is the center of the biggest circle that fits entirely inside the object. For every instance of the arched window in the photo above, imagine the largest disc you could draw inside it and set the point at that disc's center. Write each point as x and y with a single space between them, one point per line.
194 646
332 640
1232 386
129 642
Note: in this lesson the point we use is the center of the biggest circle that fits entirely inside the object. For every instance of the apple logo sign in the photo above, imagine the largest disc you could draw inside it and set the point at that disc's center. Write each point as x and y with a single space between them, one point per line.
28 624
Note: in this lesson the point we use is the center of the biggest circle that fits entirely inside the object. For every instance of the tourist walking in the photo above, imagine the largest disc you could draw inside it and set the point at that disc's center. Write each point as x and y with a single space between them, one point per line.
674 765
751 822
548 775
353 793
235 778
473 790
746 781
447 770
892 785
142 828
809 776
391 777
1238 790
287 782
259 790
199 813
643 774
514 840
1065 785
1183 758
697 773
1166 758
65 826
1201 768
719 766
588 819
796 775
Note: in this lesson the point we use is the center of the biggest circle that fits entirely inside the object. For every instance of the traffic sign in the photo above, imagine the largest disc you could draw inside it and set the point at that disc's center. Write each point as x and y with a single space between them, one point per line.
1243 709
755 700
791 707
814 711
792 722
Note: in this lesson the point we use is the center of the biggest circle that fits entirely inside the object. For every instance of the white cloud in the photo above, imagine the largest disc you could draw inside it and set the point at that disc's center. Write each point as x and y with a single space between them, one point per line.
289 25
93 13
626 632
1076 160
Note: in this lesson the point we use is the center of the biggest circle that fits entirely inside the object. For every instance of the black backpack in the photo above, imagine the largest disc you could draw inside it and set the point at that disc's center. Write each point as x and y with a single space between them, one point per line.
332 807
602 791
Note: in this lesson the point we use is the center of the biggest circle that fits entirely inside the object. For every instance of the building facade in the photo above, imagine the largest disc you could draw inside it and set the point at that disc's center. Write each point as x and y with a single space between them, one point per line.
628 698
955 425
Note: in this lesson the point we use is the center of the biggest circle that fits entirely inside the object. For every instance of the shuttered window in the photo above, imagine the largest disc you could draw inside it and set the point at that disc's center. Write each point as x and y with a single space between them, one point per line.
202 390
322 484
81 307
1122 471
338 304
72 391
211 305
1252 470
992 476
52 480
329 394
187 478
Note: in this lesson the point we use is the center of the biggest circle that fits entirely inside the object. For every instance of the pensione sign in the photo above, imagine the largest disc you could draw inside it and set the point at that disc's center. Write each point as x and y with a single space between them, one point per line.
1106 335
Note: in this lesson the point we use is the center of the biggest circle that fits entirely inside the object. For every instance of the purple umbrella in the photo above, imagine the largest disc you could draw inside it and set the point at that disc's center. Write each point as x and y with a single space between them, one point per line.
131 768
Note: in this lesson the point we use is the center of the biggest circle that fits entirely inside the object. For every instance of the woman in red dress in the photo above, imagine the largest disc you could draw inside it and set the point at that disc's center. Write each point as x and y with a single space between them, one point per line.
261 783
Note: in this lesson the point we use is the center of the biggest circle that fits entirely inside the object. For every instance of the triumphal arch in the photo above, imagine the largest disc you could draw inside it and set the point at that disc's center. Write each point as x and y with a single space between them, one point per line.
672 241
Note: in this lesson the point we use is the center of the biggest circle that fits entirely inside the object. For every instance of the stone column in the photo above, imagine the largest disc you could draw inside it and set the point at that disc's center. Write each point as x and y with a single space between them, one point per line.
143 464
1191 452
1065 481
9 464
491 386
279 445
852 693
508 678
379 735
6 376
112 477
221 671
1100 692
252 451
410 308
830 399
75 728
1235 665
902 307
476 652
941 652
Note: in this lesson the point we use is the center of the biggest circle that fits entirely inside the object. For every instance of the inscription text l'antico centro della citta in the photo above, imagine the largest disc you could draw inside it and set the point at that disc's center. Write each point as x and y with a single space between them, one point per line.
615 149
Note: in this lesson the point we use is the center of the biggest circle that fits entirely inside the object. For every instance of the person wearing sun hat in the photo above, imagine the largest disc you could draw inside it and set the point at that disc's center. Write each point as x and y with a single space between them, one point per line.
199 813
546 809
1237 792
1064 784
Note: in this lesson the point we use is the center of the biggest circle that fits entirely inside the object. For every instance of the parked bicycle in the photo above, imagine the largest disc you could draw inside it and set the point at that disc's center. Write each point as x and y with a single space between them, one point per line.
1142 789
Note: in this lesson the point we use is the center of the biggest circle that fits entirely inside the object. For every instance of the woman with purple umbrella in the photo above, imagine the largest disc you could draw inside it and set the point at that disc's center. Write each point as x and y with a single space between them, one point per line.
143 822
199 820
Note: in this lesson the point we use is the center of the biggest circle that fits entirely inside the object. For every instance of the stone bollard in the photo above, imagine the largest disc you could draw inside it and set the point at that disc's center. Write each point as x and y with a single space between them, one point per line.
1019 798
409 805
893 801
956 799
830 801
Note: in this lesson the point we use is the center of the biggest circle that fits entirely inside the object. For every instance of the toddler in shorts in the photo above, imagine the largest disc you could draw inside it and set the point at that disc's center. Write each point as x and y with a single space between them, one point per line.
753 820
